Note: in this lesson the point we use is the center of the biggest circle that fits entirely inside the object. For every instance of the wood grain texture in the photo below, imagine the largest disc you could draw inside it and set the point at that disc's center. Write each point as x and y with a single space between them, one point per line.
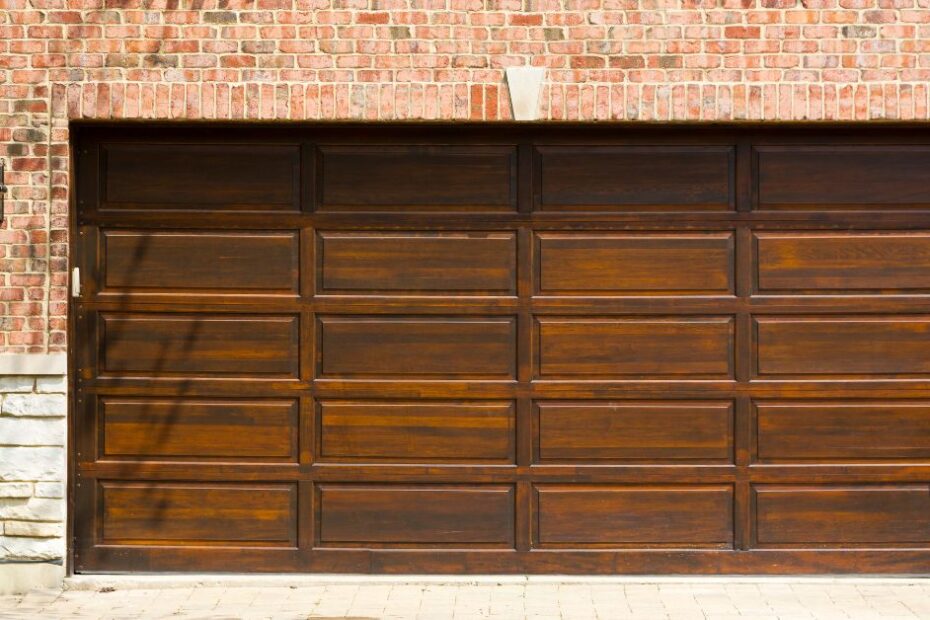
417 431
151 261
849 515
417 177
417 262
417 346
889 430
634 431
595 515
635 178
875 262
214 177
513 349
629 264
842 176
203 514
188 344
647 347
190 428
404 515
843 345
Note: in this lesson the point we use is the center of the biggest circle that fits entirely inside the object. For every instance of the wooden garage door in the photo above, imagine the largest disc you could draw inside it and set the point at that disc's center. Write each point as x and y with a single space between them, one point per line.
565 349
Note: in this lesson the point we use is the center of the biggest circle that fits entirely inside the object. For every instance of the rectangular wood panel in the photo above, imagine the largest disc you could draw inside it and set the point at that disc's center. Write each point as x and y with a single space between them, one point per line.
629 264
213 177
844 515
417 262
843 346
842 431
416 431
873 262
197 428
416 515
635 178
417 178
157 513
698 347
167 345
842 176
640 516
417 346
645 431
152 261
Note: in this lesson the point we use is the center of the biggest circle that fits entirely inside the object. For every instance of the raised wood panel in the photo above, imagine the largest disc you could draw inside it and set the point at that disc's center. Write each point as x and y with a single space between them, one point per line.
629 264
630 431
697 347
844 516
413 346
152 261
213 177
635 178
842 176
842 431
416 515
843 346
226 514
876 262
165 345
417 178
417 262
638 516
193 428
416 431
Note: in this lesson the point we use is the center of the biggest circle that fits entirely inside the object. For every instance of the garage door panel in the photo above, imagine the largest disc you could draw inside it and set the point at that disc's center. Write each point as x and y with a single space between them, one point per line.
410 262
193 429
579 516
618 347
416 178
211 177
199 345
634 431
631 264
199 262
416 515
838 346
842 177
843 515
224 514
635 178
835 263
416 431
842 431
417 346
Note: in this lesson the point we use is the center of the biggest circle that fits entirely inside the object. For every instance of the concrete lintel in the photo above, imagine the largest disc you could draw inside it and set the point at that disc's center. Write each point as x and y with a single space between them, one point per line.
33 364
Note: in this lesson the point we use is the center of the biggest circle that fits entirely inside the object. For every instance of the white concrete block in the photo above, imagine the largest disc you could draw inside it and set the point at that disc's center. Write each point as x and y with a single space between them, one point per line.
32 509
49 489
16 548
32 431
16 489
33 529
16 384
53 385
18 464
20 577
35 405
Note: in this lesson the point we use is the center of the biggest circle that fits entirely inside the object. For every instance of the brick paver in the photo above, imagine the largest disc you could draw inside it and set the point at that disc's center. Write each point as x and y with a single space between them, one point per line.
695 599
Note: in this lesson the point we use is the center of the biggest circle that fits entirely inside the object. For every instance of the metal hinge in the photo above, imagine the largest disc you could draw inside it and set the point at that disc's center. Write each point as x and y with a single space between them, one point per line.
76 282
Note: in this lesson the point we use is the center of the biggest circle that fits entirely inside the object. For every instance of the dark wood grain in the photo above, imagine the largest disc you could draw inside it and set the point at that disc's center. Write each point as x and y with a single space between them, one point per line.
417 262
643 263
417 431
514 348
597 515
402 515
625 431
